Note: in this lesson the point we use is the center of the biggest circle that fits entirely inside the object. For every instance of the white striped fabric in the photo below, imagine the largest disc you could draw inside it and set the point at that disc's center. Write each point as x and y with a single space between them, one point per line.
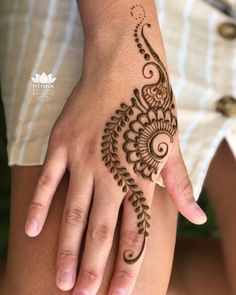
58 62
203 69
54 38
46 36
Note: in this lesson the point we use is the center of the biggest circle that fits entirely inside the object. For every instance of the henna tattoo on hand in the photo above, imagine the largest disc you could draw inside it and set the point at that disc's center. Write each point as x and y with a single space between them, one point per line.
149 134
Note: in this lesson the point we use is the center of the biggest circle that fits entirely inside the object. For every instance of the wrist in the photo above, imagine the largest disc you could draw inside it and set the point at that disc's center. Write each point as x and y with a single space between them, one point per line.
106 52
109 32
115 53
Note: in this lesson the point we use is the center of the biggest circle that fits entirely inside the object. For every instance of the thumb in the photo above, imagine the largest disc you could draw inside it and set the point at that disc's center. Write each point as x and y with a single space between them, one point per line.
178 184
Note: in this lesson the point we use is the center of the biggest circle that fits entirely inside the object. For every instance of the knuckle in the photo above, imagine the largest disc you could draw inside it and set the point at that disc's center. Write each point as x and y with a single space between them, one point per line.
44 181
90 275
89 148
131 238
100 233
67 255
36 206
185 186
56 135
76 216
123 274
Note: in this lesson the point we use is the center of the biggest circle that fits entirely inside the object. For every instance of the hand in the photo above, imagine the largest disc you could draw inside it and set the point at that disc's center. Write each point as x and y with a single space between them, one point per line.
114 139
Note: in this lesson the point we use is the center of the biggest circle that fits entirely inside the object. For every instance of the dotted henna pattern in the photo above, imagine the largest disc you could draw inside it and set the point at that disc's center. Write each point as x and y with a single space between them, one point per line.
152 126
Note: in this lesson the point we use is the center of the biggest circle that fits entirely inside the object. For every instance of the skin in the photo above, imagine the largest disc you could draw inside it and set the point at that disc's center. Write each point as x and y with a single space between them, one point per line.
31 261
104 208
91 197
192 263
208 265
199 268
221 192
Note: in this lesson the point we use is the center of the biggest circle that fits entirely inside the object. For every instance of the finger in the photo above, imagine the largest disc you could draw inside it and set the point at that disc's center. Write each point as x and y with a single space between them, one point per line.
131 250
178 184
74 222
99 236
53 169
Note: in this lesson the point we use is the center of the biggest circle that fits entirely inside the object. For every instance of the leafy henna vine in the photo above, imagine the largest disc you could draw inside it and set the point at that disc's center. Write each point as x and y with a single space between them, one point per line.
149 134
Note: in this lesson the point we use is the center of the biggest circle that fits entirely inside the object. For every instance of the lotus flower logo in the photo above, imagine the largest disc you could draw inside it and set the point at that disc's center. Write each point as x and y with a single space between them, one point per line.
43 78
43 87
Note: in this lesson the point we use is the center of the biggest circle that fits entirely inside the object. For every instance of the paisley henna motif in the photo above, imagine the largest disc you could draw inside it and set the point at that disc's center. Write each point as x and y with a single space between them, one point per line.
152 126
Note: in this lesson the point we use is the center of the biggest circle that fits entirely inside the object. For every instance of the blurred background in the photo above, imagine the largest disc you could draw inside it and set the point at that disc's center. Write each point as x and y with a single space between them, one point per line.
185 229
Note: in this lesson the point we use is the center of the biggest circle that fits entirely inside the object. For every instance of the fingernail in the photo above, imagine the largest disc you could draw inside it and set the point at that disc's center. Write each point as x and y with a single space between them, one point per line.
65 276
118 292
200 213
32 227
81 292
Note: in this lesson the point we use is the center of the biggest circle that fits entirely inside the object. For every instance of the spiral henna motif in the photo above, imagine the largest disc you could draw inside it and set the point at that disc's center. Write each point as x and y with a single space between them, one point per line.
152 126
144 145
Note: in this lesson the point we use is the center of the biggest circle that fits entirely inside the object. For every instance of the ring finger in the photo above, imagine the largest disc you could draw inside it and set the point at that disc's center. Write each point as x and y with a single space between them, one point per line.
131 246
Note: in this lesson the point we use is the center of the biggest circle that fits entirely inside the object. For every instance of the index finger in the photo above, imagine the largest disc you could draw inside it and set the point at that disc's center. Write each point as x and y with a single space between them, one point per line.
53 169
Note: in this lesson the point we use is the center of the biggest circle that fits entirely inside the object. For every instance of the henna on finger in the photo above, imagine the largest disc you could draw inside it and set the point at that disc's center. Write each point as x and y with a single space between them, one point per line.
152 125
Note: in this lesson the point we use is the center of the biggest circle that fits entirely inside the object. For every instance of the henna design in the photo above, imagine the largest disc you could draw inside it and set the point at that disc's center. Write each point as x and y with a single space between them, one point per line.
147 140
149 134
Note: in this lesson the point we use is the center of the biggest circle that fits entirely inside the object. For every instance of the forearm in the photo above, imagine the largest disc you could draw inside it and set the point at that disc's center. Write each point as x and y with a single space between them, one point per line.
109 30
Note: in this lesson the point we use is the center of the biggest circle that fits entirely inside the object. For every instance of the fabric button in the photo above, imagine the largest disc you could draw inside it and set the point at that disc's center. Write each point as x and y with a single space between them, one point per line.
227 30
227 106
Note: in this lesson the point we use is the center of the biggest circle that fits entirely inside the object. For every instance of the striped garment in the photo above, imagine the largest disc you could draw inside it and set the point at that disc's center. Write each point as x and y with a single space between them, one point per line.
202 69
227 6
46 36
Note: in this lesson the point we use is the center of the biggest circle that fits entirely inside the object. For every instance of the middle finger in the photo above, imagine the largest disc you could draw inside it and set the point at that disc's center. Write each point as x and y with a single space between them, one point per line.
74 222
99 237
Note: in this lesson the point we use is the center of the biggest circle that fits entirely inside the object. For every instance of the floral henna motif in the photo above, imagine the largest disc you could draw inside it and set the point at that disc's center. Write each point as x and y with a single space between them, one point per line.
147 140
152 126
